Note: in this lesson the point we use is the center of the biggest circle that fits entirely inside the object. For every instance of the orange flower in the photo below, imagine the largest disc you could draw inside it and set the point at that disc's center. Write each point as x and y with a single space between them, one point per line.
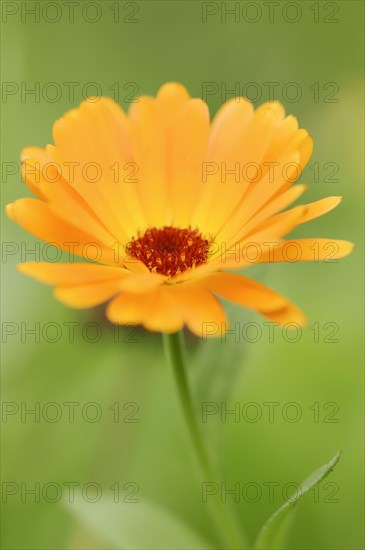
167 205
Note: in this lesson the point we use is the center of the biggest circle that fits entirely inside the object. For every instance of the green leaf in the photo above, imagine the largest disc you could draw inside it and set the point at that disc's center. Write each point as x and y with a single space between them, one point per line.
136 525
275 531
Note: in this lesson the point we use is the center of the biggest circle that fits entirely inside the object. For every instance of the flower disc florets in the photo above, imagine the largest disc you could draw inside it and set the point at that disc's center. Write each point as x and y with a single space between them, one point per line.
169 250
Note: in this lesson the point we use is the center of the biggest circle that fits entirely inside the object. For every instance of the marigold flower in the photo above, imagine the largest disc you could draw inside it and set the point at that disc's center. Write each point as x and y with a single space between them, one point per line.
170 205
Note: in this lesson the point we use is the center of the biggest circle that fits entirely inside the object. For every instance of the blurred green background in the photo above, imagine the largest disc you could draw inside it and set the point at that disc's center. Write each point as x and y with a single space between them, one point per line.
154 42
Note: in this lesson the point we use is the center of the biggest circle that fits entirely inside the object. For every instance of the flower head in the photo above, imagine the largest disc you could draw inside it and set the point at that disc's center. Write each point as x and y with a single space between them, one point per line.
164 205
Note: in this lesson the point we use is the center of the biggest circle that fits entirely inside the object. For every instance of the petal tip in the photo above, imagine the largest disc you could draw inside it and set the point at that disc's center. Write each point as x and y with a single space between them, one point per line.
172 88
9 209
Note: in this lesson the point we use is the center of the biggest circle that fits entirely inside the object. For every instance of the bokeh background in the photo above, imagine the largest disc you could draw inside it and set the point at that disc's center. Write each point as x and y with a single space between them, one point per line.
154 42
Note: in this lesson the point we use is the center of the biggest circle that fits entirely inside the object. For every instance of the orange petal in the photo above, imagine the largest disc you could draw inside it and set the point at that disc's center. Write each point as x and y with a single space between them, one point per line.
131 308
79 285
271 208
140 283
306 250
305 149
149 144
87 295
276 226
248 150
318 208
199 308
95 139
28 177
289 314
167 315
171 99
253 295
87 284
169 307
292 251
188 146
288 138
39 219
65 201
71 273
228 126
244 291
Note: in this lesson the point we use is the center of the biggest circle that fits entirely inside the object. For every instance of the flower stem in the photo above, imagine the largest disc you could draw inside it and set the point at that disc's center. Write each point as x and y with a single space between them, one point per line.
228 530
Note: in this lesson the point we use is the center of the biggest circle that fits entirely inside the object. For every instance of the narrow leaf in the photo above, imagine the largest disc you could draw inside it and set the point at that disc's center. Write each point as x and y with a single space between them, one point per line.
275 531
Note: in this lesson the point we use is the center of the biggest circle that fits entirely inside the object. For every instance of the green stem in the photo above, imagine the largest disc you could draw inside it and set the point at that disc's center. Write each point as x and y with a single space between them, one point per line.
230 534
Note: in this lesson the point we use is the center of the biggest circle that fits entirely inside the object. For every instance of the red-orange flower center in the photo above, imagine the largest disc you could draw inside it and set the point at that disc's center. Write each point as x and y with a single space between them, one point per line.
169 250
